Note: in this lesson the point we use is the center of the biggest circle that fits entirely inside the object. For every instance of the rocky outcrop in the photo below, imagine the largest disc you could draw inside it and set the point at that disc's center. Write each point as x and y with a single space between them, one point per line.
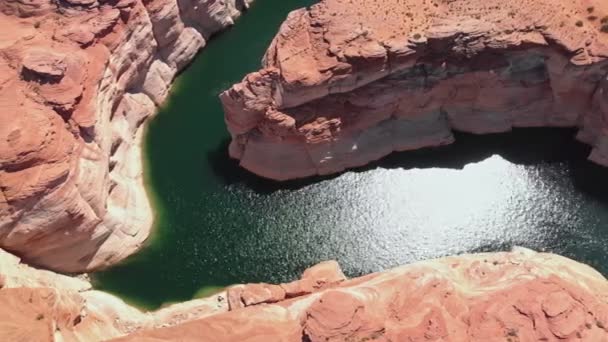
515 296
38 305
313 279
510 296
344 85
77 80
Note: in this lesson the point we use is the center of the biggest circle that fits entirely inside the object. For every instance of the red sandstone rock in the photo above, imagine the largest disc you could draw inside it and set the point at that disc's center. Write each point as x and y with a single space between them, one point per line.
44 63
38 306
77 80
337 316
516 296
322 275
346 84
252 294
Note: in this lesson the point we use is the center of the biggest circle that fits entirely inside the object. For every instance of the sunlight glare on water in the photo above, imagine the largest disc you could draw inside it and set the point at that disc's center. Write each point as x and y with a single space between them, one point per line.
217 224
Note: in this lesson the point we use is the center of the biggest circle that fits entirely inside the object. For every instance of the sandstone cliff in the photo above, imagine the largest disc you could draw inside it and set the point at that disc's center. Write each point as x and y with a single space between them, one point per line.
515 296
344 84
38 305
77 80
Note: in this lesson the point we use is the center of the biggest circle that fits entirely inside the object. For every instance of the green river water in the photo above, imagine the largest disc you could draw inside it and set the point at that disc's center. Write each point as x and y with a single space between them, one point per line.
217 225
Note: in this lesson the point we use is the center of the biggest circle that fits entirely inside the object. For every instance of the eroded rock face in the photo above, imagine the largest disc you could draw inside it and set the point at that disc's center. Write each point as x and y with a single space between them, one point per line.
38 305
45 65
344 84
515 296
322 275
77 80
510 296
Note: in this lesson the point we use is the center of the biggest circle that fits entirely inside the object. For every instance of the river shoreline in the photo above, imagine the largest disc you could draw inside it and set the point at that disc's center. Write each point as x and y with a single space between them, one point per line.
220 225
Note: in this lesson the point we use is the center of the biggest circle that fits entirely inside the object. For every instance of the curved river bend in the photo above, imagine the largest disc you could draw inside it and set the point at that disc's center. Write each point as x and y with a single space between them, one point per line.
218 225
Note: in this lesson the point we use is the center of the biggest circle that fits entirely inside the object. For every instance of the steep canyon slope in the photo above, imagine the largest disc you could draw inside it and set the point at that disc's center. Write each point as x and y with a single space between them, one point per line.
348 82
77 80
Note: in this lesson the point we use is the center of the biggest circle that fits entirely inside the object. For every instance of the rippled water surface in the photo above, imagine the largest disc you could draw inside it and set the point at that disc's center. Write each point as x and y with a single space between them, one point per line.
217 224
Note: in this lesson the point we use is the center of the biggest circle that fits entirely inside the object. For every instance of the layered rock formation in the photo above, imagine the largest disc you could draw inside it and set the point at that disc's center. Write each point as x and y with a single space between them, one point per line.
517 296
37 305
77 80
343 84
510 296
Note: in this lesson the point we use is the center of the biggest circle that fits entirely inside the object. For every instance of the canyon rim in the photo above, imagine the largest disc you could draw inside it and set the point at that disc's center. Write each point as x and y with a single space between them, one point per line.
345 85
342 85
79 78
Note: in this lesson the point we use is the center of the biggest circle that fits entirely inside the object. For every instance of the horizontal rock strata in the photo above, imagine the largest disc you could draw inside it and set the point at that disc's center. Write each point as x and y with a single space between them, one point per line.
77 80
516 296
344 84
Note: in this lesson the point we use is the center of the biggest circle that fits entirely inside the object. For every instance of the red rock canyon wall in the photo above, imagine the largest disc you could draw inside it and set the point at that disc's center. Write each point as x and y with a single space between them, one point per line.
344 84
77 80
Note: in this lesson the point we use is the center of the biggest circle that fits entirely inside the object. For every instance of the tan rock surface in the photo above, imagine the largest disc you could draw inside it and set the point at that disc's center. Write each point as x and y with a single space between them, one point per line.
77 80
344 84
39 305
515 296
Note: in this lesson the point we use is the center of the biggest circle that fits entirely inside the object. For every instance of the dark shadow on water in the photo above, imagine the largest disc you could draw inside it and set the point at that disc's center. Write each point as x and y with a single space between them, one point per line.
590 178
229 172
522 146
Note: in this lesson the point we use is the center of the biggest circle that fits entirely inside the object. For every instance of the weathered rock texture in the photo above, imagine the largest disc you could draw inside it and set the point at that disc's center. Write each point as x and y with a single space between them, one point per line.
77 80
346 83
40 306
516 296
